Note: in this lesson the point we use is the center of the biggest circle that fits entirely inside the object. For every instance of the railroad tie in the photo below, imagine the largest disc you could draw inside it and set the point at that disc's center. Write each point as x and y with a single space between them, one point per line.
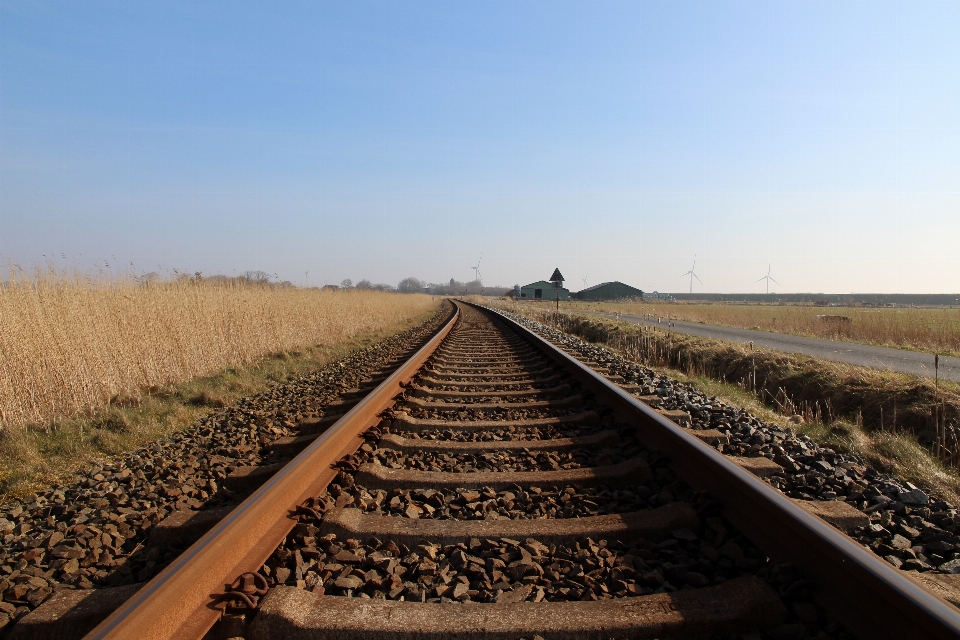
412 445
650 524
376 476
403 422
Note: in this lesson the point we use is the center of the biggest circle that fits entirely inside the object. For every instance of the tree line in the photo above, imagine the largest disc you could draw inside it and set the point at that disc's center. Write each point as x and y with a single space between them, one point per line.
415 285
408 285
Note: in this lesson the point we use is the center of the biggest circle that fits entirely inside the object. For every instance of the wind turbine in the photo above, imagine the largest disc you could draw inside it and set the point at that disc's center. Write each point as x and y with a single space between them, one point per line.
476 270
768 278
692 274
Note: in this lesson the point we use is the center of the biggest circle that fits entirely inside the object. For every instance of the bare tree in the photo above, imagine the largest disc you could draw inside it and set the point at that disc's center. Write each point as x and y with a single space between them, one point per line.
410 285
256 277
346 284
455 287
149 278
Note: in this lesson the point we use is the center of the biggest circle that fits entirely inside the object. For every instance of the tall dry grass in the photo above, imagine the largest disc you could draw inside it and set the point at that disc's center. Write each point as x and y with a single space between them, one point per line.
921 329
70 343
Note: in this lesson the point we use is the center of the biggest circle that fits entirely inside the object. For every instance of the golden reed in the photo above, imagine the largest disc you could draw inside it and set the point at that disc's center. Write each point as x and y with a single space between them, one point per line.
69 343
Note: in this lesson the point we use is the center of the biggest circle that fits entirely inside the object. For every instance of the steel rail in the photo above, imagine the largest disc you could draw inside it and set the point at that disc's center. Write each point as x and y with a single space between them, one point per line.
178 602
866 594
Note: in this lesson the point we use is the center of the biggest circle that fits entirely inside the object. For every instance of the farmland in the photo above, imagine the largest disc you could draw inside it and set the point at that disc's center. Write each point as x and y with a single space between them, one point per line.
921 329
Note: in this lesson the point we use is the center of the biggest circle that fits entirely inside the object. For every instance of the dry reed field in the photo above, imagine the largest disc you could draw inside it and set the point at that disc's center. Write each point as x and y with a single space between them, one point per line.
921 329
69 344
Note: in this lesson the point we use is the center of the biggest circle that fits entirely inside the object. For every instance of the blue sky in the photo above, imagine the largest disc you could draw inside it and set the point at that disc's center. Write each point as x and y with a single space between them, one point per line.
389 139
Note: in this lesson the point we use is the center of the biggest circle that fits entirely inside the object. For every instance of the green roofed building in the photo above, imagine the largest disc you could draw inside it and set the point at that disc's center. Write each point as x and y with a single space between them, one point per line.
542 290
608 291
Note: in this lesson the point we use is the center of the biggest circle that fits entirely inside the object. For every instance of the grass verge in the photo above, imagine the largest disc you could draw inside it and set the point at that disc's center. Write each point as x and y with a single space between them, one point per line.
898 454
35 456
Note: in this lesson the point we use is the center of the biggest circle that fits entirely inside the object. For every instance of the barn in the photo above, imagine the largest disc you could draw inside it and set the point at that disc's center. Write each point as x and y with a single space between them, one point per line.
542 290
608 291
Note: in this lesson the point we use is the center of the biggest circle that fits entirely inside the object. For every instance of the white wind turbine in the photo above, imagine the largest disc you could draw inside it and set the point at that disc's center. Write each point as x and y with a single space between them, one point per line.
768 278
476 269
692 274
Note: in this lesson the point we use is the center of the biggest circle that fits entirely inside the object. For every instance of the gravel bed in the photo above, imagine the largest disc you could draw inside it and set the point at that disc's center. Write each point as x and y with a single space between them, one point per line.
464 389
548 432
499 460
483 399
911 527
516 503
93 531
510 570
514 367
494 414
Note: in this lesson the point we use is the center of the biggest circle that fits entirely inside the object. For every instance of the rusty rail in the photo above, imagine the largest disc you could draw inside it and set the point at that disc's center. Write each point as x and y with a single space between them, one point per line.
178 602
865 593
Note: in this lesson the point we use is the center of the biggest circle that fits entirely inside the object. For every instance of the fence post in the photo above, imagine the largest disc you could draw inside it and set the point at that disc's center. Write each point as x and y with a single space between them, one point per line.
936 372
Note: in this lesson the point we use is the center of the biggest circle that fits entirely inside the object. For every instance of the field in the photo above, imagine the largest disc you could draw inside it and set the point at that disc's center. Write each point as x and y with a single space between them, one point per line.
71 344
919 329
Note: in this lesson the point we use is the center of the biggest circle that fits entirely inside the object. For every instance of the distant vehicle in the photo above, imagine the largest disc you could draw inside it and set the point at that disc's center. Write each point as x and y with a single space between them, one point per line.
658 296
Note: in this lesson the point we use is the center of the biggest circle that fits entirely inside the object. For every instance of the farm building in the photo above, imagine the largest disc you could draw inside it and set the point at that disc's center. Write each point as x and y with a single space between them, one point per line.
543 290
608 291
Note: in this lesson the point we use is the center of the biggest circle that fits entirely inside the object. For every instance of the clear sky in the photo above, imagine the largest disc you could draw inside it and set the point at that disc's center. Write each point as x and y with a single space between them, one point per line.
615 140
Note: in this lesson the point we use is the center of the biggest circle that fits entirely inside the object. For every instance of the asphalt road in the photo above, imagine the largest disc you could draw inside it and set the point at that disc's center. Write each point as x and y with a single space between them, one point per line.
911 362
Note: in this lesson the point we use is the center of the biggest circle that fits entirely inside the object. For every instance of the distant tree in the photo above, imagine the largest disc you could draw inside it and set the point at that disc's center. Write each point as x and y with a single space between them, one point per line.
256 277
365 285
455 287
410 285
149 278
346 284
186 277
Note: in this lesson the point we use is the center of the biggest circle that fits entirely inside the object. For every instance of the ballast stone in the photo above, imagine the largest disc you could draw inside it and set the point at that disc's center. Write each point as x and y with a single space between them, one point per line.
915 497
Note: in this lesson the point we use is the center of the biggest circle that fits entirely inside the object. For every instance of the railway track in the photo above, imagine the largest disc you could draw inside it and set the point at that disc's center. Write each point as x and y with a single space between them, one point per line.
495 487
